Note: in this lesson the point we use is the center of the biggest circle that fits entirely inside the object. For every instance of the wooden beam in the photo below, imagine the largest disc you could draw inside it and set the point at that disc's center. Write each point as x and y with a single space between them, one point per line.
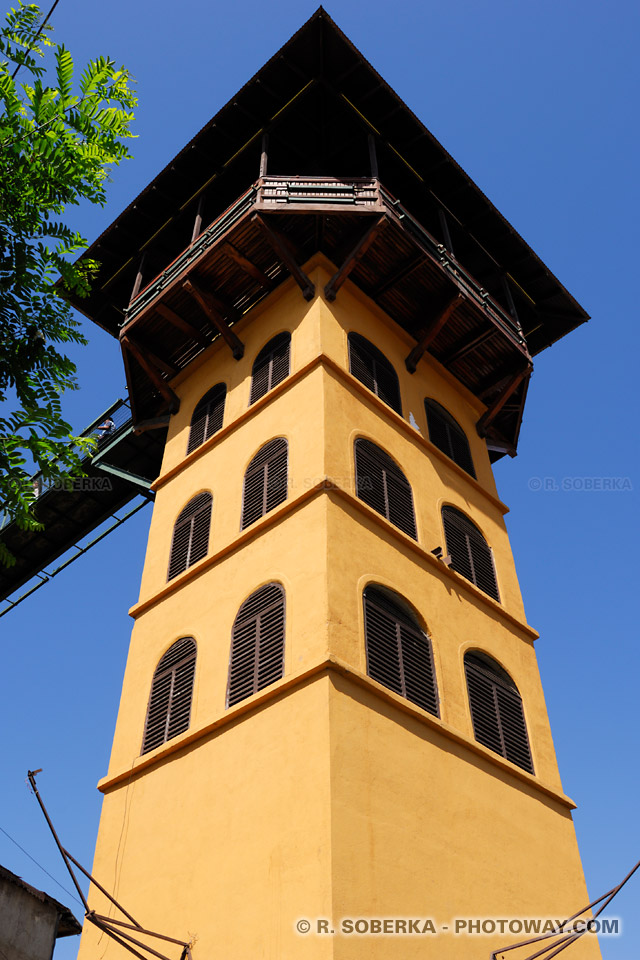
398 275
247 265
155 423
354 256
509 298
467 344
129 379
154 375
215 311
177 321
432 331
283 249
487 387
496 440
163 365
489 415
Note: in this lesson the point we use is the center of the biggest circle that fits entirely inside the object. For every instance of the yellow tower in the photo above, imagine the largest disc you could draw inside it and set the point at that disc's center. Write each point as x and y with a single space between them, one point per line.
331 710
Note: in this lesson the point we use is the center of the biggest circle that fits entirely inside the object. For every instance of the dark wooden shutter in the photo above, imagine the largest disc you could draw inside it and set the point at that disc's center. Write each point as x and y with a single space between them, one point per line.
381 483
371 367
398 651
447 435
207 416
169 710
190 535
496 710
257 643
271 366
265 481
469 551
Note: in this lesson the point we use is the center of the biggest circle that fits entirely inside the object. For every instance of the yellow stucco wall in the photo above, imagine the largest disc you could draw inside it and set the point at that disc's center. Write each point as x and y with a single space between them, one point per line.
326 795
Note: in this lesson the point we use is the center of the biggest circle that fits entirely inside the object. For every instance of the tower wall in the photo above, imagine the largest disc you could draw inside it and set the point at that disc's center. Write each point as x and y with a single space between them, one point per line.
326 794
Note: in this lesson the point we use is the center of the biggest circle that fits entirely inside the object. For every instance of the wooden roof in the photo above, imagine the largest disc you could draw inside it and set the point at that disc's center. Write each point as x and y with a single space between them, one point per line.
318 99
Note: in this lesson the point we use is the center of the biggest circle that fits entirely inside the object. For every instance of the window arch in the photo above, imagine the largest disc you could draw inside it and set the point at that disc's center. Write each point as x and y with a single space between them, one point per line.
469 551
371 367
169 709
207 416
257 643
190 535
381 483
271 366
496 710
447 435
265 481
399 652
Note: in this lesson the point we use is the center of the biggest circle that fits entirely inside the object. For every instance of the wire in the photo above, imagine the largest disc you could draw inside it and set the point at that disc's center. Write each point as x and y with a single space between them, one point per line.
51 877
40 29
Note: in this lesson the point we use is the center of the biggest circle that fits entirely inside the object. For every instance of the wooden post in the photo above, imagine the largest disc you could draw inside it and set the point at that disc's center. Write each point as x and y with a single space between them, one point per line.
264 155
445 231
373 157
197 225
138 281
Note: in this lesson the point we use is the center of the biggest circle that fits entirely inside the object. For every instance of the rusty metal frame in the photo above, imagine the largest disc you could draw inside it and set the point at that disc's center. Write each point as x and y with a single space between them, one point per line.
566 939
107 924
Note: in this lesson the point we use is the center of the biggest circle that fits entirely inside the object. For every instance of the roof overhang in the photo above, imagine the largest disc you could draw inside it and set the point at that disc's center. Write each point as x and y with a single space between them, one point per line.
318 99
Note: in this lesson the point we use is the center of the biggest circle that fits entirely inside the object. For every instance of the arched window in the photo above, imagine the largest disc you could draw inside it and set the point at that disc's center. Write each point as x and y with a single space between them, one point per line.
265 481
381 483
257 643
447 435
270 367
398 650
190 535
496 710
169 710
372 368
207 416
470 553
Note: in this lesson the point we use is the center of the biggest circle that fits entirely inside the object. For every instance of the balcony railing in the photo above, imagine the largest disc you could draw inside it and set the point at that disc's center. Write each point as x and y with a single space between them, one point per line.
326 196
111 424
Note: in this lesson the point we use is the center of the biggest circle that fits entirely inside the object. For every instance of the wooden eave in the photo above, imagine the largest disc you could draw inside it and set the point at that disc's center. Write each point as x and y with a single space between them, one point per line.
366 233
319 100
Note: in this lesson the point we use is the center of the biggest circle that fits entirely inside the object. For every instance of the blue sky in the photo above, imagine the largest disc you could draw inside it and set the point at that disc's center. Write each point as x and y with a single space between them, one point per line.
537 101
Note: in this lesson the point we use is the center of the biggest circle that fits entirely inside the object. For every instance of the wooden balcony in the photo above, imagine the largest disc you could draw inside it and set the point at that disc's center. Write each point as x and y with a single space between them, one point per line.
267 235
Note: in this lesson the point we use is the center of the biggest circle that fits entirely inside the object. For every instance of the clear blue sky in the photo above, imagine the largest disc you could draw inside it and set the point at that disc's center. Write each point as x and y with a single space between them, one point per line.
538 102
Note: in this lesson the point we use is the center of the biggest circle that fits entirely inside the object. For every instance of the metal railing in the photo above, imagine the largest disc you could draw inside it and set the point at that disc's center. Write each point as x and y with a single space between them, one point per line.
111 424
